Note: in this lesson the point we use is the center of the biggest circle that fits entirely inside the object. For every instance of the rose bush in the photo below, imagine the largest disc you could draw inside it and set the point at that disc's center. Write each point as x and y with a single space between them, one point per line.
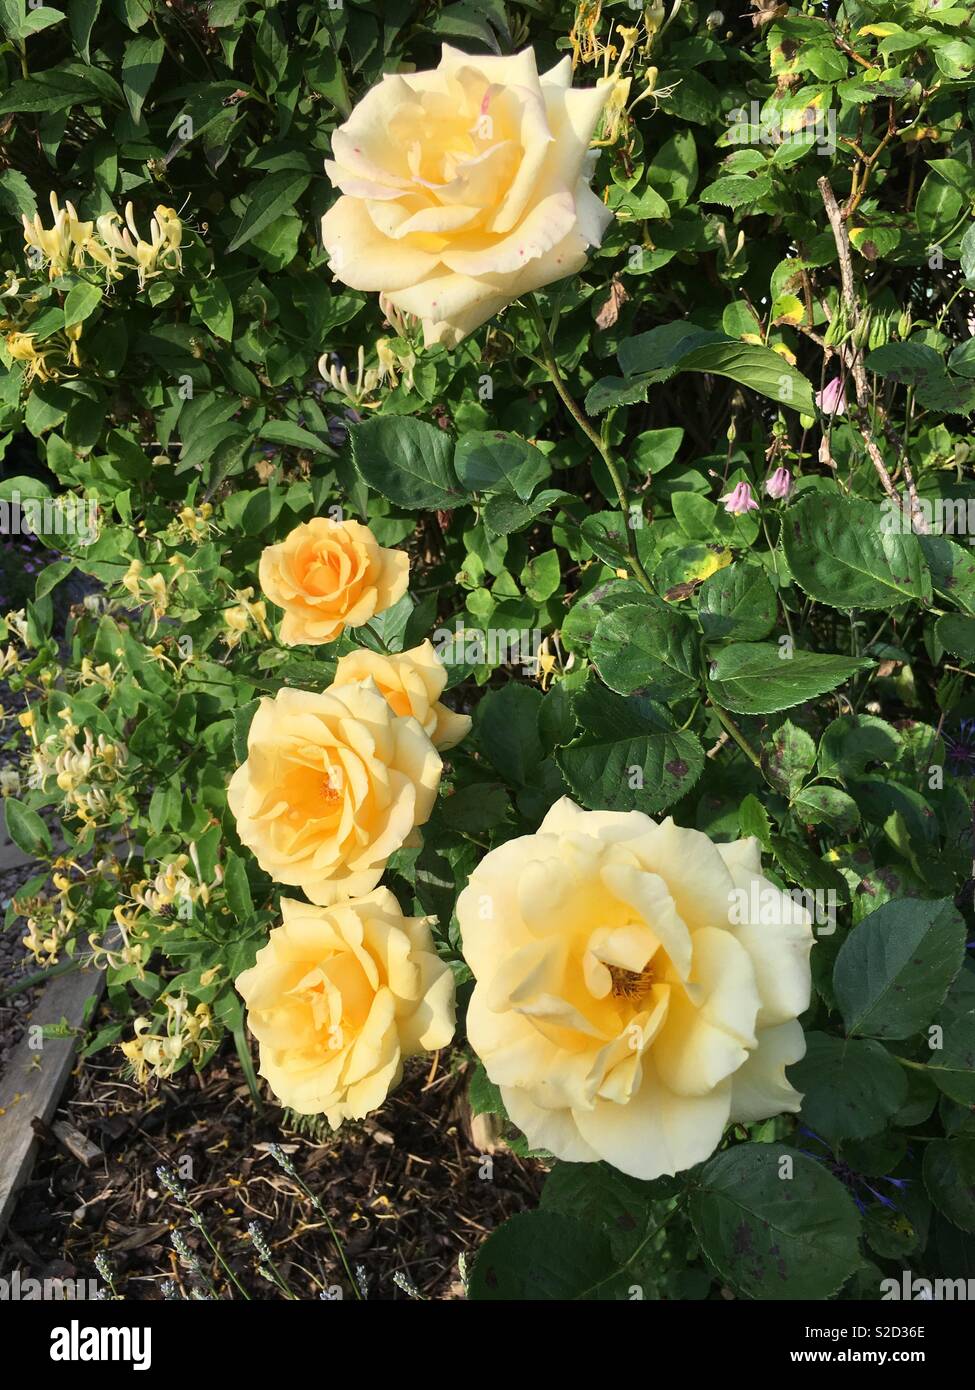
420 438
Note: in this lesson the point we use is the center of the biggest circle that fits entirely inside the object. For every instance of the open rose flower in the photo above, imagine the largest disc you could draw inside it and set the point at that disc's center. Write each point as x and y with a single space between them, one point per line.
465 187
412 682
628 1004
339 996
330 575
333 784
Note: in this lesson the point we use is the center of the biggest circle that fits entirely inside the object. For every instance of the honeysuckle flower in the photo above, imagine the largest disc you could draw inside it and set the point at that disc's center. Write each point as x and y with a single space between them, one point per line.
638 987
739 500
465 187
339 997
780 484
160 252
21 348
364 383
832 398
63 245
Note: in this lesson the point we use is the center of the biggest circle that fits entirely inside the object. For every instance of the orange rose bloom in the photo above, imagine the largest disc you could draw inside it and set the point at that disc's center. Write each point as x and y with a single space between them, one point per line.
412 683
330 575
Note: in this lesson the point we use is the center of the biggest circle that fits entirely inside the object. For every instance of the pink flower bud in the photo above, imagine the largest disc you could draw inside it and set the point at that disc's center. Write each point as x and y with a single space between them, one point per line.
832 398
780 484
739 500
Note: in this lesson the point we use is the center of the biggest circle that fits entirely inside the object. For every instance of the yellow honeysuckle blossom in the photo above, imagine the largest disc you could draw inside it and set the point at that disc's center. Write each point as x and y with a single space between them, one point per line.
62 246
246 611
160 252
21 348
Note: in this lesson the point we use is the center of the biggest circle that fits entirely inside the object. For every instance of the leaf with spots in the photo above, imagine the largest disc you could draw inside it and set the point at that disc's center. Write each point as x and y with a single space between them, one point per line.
775 1224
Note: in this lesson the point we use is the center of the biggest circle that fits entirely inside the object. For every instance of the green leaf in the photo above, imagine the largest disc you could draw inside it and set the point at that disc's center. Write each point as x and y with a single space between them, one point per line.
753 819
654 653
949 1176
26 828
503 513
237 888
753 677
484 1096
212 302
16 194
919 366
80 303
494 461
506 729
624 761
894 969
851 743
736 190
273 195
844 552
37 19
682 347
287 432
952 570
772 1236
81 19
21 488
623 1208
737 601
850 1088
541 1255
957 633
51 577
140 62
612 391
822 805
242 723
408 461
951 1062
788 758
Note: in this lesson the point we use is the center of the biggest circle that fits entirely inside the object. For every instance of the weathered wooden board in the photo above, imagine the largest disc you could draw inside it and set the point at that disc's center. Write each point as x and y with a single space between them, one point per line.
36 1076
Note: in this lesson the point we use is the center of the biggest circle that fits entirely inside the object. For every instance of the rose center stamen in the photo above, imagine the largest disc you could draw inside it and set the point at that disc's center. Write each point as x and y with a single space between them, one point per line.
630 984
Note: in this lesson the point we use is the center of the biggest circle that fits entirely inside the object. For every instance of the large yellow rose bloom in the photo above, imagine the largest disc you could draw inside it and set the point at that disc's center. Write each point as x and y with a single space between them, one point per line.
339 996
465 187
621 1006
412 682
333 784
330 575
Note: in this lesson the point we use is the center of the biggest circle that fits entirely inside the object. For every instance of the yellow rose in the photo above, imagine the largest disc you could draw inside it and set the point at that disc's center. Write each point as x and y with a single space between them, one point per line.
630 1000
412 682
339 996
465 187
330 575
333 784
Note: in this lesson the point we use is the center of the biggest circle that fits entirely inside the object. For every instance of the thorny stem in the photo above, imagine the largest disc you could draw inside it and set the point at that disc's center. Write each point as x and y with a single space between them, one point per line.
841 236
594 437
737 735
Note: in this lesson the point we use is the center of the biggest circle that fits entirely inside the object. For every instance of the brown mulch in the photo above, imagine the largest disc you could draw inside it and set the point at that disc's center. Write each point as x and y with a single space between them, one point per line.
407 1190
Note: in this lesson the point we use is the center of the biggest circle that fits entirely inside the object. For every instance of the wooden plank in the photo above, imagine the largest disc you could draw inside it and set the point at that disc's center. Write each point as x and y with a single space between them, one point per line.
35 1078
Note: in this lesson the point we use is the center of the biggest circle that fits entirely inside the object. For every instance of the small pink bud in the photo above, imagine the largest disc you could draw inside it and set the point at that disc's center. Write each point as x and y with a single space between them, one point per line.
780 484
832 398
739 500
